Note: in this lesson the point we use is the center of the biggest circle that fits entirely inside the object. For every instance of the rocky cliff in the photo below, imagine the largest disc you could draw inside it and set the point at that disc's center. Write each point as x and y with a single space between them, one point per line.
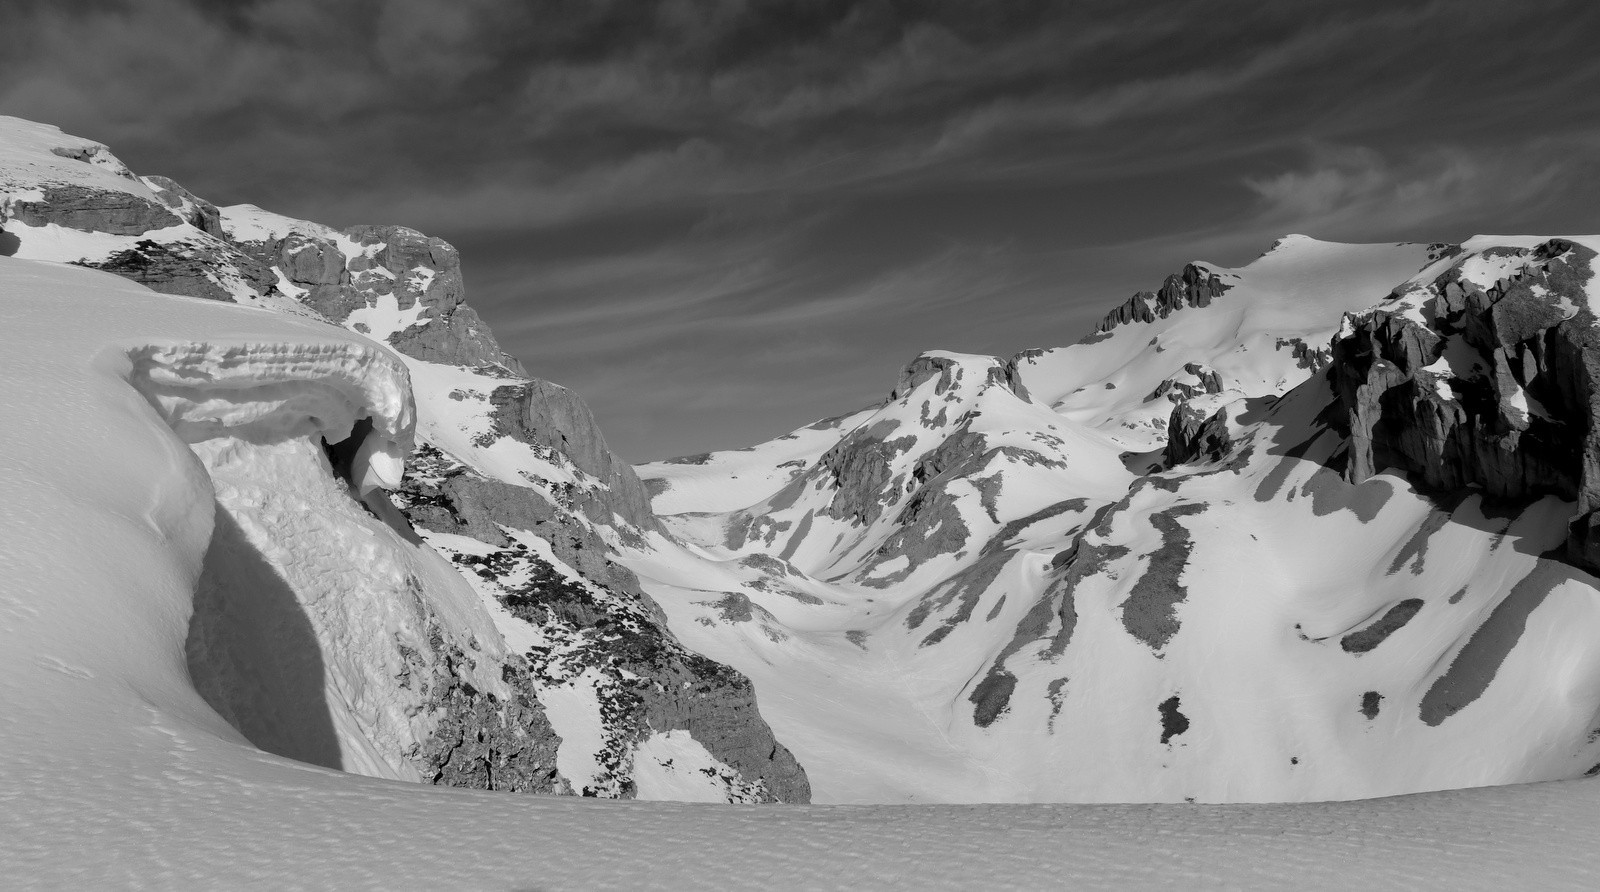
1486 377
1195 286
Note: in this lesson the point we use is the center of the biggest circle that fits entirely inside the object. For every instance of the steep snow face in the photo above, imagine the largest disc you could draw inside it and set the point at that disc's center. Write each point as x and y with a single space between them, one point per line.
1017 590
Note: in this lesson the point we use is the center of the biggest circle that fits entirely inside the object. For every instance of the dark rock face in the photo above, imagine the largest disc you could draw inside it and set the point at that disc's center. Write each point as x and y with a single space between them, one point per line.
1478 661
1315 359
484 742
1392 621
860 467
926 368
716 704
318 266
949 372
1193 435
1057 607
610 625
1209 381
550 417
458 337
1196 286
189 268
1150 613
394 261
94 210
1512 397
1173 722
201 214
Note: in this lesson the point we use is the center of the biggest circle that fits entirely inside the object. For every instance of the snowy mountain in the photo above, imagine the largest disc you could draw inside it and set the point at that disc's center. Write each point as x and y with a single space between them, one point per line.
464 622
1183 558
1316 528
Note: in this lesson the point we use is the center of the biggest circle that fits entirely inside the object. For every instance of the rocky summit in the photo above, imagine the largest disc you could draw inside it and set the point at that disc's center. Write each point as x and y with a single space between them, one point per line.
1322 526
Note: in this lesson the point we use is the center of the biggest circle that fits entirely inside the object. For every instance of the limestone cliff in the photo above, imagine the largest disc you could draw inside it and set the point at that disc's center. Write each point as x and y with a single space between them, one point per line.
1485 377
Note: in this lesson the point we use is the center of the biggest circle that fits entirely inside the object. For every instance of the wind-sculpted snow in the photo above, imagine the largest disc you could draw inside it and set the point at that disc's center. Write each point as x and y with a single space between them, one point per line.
272 392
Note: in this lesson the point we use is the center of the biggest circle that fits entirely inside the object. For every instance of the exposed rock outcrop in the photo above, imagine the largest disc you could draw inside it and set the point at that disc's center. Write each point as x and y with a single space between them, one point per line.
1196 286
860 467
421 274
190 268
1193 435
197 212
606 624
485 742
1494 384
1315 359
94 210
551 417
1198 379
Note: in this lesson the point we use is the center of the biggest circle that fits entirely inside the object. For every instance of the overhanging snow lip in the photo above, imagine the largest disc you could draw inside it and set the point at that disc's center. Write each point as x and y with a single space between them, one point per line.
268 390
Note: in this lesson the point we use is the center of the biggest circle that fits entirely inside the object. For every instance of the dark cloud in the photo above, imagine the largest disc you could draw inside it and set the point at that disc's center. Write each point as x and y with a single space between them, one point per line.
720 219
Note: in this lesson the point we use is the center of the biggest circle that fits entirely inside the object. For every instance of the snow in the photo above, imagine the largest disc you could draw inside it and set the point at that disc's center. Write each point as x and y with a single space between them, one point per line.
386 318
574 713
63 245
119 774
1297 290
874 681
455 415
736 479
248 223
28 161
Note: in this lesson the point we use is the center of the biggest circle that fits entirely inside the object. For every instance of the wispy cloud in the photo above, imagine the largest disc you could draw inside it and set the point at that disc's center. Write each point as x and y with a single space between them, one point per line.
1356 191
758 208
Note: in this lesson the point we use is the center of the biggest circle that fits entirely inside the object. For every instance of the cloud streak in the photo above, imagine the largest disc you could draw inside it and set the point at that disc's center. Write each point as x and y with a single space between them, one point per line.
754 209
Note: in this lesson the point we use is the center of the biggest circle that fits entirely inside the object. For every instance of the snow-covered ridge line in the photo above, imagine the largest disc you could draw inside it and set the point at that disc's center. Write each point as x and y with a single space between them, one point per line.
282 390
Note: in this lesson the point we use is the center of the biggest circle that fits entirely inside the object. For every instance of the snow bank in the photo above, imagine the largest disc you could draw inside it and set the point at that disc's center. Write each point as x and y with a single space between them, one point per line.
260 392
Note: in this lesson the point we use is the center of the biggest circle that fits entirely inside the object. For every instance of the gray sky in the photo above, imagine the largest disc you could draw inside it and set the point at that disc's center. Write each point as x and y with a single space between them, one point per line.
718 221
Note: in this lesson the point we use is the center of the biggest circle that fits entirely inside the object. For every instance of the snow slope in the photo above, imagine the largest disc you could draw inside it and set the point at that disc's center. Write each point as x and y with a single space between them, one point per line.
121 775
